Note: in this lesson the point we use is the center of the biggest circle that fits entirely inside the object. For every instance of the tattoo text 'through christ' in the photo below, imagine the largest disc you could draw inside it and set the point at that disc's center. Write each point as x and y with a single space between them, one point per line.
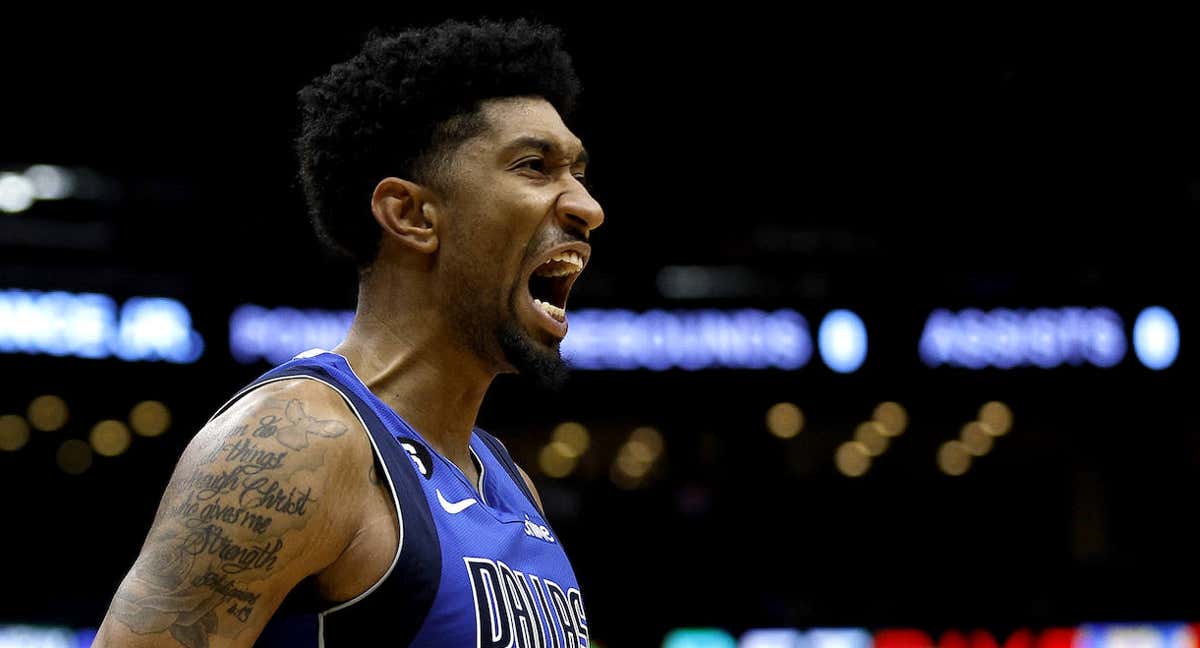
224 527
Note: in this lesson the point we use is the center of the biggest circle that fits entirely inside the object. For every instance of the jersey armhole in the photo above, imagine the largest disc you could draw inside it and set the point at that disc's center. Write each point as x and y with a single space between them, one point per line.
377 461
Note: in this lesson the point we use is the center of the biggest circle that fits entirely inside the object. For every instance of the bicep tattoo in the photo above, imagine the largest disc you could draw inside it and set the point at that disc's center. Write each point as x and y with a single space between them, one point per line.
226 524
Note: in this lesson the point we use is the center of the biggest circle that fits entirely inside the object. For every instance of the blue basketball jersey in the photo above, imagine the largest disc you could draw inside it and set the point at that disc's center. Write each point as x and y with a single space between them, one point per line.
473 568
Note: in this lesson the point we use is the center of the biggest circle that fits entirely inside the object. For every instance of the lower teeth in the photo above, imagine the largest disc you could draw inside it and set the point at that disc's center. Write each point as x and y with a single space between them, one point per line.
551 310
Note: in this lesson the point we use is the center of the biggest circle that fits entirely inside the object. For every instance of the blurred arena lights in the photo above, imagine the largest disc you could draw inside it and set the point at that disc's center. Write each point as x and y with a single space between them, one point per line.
997 417
1088 635
31 636
1134 635
872 436
14 432
689 340
90 325
556 460
842 340
636 458
17 193
277 334
650 438
953 458
598 338
1003 338
51 182
699 638
892 417
976 437
771 638
838 638
708 282
852 459
47 413
149 418
1156 338
74 456
785 420
110 438
574 438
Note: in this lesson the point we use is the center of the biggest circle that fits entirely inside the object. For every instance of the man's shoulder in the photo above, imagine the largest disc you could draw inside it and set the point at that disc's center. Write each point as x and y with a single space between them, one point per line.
294 416
299 386
268 493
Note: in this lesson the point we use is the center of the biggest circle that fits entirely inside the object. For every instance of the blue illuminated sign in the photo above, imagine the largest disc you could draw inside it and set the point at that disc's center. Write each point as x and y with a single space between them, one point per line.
773 638
842 340
689 340
598 339
1004 338
699 638
90 325
277 334
1135 635
839 638
1156 338
31 636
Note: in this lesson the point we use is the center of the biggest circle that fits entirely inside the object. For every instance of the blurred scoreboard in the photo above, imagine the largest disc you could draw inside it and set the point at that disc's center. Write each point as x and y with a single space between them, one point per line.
1098 635
93 325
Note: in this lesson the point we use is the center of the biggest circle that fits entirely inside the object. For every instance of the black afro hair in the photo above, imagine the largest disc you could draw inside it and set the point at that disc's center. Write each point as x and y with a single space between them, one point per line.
401 107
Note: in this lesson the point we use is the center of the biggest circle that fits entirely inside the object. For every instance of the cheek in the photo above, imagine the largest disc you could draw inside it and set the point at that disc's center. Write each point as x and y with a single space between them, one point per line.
488 276
493 242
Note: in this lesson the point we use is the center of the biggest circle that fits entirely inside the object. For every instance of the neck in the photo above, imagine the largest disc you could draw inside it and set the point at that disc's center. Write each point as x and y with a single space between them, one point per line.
403 355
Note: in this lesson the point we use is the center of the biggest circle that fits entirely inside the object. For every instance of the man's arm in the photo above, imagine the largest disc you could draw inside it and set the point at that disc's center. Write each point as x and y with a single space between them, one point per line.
261 499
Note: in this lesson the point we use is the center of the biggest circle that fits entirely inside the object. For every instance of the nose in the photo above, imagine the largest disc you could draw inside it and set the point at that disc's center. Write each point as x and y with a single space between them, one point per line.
580 210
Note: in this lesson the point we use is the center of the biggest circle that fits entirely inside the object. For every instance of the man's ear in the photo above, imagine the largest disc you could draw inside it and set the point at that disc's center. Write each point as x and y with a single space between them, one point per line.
403 210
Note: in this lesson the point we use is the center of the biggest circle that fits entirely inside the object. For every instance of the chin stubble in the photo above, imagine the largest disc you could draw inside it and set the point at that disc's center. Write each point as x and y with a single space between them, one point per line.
542 364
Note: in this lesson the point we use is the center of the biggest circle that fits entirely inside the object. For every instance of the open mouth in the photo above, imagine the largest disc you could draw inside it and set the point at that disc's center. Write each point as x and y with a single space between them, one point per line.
550 284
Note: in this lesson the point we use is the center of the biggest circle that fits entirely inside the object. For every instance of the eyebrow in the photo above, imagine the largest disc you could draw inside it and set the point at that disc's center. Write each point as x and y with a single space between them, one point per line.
545 146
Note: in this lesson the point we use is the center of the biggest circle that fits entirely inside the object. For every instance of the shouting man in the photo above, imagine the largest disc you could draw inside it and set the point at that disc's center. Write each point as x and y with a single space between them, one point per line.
346 498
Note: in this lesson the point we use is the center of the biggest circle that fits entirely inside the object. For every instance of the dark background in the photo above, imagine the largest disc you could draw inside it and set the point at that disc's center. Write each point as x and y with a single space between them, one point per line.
888 164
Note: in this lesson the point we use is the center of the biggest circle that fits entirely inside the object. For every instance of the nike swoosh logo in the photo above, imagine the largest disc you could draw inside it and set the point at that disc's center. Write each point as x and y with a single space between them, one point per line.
454 507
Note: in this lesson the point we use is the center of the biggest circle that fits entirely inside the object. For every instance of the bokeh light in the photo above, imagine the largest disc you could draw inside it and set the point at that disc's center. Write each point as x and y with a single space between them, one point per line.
651 438
892 416
871 435
842 341
852 459
74 456
48 413
977 437
785 420
150 418
997 416
556 461
953 458
1156 338
110 438
635 458
573 436
14 432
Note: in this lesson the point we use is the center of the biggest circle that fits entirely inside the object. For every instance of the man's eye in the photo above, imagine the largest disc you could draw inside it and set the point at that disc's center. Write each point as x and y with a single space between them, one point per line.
537 164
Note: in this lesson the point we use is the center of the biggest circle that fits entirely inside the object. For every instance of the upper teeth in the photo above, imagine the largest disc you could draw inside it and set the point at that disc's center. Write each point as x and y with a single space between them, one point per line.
571 261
